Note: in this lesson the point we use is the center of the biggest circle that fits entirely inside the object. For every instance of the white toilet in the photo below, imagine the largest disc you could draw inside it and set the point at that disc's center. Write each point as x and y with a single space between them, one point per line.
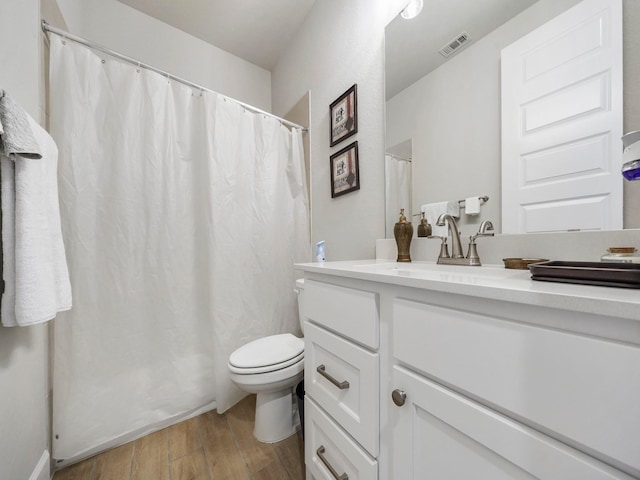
271 367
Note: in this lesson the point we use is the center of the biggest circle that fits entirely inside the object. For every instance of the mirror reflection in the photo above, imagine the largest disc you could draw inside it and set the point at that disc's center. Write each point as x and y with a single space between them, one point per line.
445 113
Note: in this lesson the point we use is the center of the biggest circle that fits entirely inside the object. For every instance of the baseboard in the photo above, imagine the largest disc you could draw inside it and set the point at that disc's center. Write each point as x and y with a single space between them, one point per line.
41 472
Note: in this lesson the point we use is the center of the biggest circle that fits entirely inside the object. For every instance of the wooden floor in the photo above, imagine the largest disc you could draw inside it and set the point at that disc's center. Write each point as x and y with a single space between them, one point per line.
207 447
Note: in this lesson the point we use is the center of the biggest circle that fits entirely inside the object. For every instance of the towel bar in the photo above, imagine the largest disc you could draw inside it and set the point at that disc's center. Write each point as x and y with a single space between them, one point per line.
483 199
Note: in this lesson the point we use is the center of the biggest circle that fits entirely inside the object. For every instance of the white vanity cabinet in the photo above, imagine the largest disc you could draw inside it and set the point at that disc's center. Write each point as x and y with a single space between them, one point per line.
471 377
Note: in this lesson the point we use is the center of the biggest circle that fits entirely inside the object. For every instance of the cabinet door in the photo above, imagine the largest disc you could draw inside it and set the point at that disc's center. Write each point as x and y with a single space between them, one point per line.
442 435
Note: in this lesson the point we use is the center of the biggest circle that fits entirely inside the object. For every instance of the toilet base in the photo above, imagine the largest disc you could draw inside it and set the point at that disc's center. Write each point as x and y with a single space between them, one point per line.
274 416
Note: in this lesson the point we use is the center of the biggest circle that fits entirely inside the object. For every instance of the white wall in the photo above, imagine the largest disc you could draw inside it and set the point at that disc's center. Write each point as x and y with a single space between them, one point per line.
24 386
339 44
128 31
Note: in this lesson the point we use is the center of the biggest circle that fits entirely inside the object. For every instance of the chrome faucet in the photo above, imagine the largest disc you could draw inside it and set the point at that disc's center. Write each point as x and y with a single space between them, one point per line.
456 246
456 257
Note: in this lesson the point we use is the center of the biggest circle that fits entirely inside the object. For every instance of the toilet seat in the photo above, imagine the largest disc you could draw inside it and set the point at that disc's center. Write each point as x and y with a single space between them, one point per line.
267 354
267 368
287 376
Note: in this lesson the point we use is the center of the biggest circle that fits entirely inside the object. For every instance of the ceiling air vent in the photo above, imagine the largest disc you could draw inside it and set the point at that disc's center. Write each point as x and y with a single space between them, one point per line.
455 44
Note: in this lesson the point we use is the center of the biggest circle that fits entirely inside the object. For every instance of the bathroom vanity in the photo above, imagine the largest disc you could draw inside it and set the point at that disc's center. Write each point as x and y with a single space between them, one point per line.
419 370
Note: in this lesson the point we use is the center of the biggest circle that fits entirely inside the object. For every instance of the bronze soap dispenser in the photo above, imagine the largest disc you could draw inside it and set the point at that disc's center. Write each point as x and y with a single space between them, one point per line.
424 229
403 231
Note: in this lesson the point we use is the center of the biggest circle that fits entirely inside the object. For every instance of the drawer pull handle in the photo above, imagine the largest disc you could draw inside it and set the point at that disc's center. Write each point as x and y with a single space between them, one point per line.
320 453
341 385
398 396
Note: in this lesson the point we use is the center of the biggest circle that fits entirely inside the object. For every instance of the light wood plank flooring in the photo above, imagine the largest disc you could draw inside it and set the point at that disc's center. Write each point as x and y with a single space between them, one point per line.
207 447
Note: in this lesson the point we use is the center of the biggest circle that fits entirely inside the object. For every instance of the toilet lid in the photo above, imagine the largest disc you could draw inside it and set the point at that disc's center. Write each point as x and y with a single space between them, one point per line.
272 350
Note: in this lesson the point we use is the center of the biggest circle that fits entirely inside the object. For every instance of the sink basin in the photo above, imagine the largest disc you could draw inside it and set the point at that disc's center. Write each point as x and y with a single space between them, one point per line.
441 272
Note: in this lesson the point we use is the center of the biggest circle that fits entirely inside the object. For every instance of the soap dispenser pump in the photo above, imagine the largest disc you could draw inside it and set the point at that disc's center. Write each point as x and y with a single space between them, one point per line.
403 231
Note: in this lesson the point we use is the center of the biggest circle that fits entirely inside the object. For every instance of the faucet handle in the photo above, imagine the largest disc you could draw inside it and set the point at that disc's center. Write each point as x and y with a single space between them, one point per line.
444 248
472 253
485 226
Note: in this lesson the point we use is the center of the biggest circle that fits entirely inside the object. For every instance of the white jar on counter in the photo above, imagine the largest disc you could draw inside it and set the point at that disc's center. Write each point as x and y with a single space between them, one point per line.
621 255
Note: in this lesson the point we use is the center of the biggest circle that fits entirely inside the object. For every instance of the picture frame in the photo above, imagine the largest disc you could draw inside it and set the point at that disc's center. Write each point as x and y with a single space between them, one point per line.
344 116
345 171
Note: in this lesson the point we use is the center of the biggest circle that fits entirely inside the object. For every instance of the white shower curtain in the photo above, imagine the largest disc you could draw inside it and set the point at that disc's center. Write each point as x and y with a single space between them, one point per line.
182 214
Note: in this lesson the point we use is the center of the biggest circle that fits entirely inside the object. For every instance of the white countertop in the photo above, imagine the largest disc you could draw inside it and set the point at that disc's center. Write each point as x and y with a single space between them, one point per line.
488 281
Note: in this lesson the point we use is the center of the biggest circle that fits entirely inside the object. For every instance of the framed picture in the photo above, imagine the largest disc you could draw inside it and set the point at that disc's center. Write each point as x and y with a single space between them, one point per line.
344 116
345 173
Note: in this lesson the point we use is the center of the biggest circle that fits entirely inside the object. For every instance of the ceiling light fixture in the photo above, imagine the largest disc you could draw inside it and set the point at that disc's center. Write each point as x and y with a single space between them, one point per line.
412 9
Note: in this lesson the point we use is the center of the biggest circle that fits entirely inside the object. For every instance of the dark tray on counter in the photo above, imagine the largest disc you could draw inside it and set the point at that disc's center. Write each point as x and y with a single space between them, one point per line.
625 275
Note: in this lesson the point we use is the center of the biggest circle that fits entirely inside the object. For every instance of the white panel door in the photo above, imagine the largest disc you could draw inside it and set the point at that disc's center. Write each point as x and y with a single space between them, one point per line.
562 123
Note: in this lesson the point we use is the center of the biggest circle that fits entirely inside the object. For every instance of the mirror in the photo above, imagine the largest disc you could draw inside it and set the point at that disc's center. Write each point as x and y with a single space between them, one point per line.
463 105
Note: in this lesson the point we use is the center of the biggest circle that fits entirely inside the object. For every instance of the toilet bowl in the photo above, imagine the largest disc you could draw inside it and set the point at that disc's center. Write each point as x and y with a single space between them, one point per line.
270 367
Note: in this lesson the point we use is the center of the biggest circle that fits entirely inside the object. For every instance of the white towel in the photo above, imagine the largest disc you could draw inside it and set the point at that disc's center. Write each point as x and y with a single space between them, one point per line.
472 206
17 136
433 210
34 265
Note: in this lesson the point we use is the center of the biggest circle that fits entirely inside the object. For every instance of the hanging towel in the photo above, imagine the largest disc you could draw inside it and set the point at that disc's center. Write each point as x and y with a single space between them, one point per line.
34 264
433 210
472 205
17 136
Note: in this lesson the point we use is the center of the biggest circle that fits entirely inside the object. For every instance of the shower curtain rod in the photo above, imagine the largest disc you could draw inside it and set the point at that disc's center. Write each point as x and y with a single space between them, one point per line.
398 157
95 46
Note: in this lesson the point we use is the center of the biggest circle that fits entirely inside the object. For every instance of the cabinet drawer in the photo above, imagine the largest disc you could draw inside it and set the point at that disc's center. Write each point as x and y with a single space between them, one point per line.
347 311
581 389
328 447
343 379
439 434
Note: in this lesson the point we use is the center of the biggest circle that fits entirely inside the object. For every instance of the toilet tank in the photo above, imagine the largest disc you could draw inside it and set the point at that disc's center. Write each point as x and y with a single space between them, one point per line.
300 291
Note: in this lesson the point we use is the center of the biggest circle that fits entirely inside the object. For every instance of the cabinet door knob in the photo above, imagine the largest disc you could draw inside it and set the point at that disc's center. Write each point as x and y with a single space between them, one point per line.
398 396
